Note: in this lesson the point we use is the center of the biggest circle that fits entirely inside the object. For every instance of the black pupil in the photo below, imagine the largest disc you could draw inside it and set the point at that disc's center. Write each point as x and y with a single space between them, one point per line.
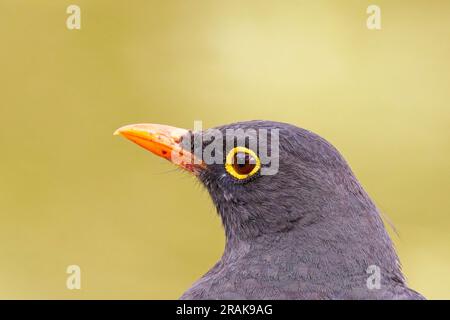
243 163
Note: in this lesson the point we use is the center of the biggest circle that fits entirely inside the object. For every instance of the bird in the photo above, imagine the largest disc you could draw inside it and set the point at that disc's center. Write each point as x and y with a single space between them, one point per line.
308 231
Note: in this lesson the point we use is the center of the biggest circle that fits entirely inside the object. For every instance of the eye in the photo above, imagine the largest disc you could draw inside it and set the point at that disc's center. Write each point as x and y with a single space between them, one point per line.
242 163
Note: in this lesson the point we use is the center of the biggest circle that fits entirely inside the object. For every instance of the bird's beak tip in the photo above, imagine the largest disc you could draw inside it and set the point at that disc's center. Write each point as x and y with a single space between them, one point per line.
124 129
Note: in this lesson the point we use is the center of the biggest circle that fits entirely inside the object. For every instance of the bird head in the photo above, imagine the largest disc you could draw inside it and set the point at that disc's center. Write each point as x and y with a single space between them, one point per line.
263 177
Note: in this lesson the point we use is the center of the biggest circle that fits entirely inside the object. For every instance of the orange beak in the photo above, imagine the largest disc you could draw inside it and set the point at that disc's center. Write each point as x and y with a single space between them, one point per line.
164 141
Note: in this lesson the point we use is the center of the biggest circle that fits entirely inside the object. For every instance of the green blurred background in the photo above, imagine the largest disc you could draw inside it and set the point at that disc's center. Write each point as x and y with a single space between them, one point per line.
71 193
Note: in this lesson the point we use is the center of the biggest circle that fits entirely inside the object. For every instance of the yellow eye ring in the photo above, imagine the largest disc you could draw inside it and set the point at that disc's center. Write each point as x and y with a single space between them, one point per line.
242 171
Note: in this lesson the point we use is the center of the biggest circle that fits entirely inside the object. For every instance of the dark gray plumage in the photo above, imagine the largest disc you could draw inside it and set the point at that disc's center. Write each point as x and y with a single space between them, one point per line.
308 232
